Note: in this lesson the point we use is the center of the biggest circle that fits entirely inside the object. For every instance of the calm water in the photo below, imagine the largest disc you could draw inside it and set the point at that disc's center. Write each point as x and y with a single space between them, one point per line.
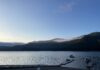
46 58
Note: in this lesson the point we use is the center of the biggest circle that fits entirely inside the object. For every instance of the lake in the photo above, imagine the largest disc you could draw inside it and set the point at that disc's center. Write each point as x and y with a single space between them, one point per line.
47 58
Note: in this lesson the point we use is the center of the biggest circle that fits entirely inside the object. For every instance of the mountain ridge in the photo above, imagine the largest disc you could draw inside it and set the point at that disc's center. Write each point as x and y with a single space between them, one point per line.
88 42
10 43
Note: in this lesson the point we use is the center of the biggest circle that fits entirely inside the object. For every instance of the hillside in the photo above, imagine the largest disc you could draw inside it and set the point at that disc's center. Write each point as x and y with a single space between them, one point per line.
89 42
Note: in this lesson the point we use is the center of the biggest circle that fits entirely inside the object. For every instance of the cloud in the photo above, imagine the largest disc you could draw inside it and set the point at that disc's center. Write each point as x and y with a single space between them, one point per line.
67 7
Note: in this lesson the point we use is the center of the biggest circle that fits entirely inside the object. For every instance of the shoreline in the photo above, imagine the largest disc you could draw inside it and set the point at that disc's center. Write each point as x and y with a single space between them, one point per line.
34 67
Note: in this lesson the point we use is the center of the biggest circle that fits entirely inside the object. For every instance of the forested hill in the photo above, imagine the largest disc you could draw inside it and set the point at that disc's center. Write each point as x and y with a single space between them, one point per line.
89 42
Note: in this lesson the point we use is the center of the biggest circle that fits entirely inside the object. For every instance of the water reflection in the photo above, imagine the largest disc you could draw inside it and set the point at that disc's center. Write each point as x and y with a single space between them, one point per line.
48 58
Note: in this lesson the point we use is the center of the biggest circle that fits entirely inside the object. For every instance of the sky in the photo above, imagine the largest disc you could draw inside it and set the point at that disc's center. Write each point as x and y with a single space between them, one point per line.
33 20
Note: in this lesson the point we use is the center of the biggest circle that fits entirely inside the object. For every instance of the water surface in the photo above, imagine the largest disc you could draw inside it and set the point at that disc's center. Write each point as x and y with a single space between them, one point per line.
46 58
